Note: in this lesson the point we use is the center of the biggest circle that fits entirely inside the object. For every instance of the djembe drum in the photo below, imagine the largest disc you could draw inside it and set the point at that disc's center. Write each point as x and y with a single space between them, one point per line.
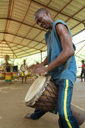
42 94
14 72
2 75
8 77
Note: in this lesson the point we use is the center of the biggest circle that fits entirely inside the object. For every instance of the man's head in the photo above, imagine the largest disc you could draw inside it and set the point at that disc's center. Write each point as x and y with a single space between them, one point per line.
43 18
82 61
24 61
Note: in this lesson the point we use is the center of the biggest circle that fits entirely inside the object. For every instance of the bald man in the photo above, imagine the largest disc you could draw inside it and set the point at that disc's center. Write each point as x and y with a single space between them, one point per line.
61 66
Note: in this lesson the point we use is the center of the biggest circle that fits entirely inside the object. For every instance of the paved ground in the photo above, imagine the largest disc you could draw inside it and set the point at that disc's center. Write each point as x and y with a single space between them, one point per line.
13 108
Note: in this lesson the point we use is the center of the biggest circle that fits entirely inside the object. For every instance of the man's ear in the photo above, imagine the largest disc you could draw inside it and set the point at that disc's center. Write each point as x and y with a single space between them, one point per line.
47 13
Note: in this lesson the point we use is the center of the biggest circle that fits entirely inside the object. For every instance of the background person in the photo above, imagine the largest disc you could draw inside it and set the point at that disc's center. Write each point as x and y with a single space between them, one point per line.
24 68
82 71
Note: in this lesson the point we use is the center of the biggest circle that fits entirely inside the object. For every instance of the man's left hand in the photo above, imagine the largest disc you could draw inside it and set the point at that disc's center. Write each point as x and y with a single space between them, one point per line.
41 70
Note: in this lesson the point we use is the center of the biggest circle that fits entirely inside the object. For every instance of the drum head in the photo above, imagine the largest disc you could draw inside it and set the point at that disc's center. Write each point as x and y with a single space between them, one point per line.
26 73
35 91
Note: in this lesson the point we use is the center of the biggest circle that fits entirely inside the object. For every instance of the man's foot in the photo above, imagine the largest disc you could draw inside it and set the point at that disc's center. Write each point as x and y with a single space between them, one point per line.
28 116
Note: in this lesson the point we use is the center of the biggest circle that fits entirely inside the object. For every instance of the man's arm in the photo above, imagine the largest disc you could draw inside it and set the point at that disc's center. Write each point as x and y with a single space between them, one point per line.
21 68
34 66
44 62
67 47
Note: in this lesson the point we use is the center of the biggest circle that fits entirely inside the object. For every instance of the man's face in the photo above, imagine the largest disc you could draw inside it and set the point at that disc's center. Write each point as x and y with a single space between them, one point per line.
42 20
24 61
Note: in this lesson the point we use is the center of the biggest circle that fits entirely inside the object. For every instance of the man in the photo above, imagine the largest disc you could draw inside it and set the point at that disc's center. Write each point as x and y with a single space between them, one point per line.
59 66
83 70
24 68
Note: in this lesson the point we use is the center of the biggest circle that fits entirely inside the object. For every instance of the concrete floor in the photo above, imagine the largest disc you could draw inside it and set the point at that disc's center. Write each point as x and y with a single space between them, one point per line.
13 108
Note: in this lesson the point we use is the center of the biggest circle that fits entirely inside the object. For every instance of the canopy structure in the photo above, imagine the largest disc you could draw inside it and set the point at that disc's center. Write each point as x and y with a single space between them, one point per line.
20 36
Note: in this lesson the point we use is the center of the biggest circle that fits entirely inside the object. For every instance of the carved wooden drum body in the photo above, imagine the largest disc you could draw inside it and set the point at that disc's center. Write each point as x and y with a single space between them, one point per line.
43 94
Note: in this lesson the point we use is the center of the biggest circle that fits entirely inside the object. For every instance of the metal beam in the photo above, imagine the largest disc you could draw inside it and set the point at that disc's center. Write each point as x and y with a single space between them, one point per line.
56 11
80 49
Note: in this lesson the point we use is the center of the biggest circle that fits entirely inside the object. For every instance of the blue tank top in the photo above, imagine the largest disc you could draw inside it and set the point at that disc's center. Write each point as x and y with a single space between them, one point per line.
53 50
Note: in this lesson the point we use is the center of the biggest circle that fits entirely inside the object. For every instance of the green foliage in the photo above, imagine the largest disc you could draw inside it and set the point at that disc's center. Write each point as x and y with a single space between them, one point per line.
30 59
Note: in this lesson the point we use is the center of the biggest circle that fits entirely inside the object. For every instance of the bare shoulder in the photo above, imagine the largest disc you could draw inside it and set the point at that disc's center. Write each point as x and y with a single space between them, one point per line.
61 28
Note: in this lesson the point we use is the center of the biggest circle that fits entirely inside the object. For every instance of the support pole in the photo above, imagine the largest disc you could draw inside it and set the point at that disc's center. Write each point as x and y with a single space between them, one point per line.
13 59
41 56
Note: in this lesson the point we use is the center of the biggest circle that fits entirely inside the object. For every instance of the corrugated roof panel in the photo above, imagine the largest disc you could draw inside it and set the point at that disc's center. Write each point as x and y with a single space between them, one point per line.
9 37
72 8
20 8
52 12
25 51
4 4
57 4
32 49
61 17
44 2
35 6
17 40
2 25
13 27
18 50
25 42
37 26
30 21
4 53
44 41
32 44
23 30
81 1
44 48
3 42
77 28
73 32
30 15
78 3
33 33
3 45
71 23
14 48
80 15
39 46
11 45
25 48
20 56
35 52
19 46
29 18
20 53
10 52
40 37
1 36
5 49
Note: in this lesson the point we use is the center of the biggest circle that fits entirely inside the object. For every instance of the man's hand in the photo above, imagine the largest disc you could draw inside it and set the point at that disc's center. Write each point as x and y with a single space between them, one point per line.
41 70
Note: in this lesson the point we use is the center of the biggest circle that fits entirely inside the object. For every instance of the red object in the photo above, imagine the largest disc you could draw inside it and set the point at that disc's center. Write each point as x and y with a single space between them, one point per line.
83 65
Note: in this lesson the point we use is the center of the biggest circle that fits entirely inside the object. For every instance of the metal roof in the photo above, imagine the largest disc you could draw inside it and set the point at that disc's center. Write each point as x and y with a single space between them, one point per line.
19 34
